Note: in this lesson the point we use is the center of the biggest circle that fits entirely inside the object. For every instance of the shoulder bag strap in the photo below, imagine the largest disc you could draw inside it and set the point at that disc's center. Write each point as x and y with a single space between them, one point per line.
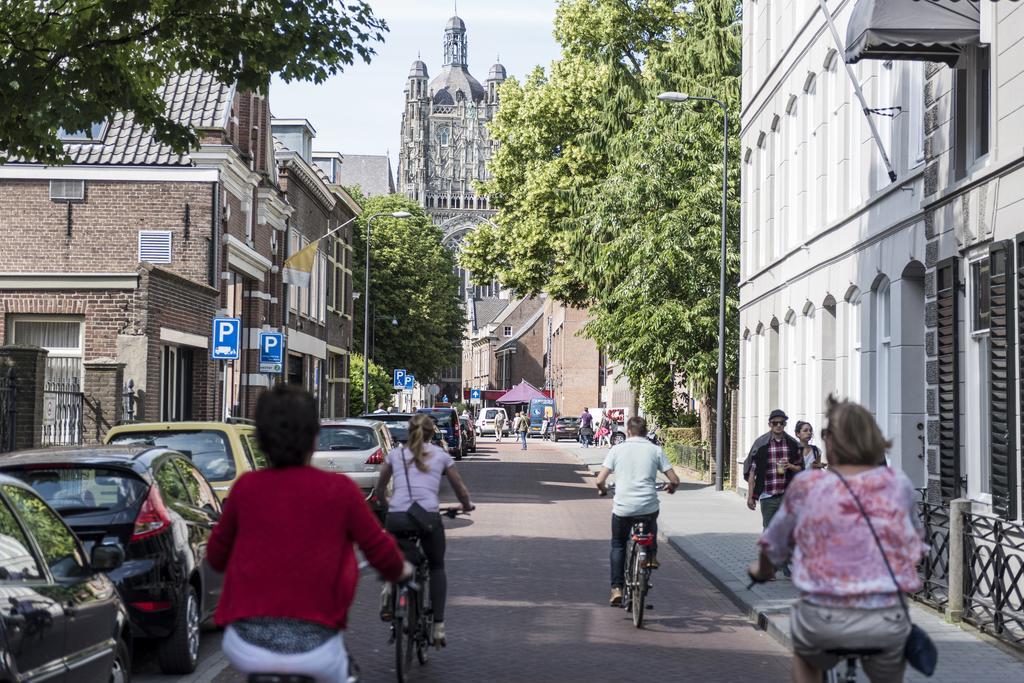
408 485
871 527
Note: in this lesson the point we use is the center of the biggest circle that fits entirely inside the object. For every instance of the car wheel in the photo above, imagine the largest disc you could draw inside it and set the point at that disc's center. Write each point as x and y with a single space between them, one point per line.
617 438
179 652
121 669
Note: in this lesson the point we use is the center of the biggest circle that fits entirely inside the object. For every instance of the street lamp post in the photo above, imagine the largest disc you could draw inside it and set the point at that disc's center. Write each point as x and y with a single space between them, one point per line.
366 306
720 397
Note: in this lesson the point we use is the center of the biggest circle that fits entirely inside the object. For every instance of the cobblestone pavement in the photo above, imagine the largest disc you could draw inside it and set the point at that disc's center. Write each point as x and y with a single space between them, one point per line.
528 576
717 532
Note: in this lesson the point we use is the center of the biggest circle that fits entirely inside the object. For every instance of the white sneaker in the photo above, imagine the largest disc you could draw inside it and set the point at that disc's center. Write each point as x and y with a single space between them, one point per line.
439 639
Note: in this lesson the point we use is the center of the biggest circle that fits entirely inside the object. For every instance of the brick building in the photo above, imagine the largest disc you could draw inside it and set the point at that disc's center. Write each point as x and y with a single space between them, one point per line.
319 319
575 374
130 251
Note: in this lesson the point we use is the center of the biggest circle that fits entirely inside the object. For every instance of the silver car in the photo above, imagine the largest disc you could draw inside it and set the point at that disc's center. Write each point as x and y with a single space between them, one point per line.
353 447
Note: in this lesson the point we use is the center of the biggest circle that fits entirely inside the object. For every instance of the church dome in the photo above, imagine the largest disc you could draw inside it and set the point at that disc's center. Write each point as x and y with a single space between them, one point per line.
418 70
497 73
455 23
455 79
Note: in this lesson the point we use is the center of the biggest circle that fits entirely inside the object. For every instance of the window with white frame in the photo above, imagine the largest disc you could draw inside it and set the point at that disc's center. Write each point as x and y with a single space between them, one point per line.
792 360
979 402
508 330
853 345
61 336
809 402
972 93
883 344
810 159
886 97
915 112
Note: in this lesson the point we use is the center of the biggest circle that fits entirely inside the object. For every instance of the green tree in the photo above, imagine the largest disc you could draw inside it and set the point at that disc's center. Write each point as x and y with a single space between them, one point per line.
380 385
72 63
412 281
613 198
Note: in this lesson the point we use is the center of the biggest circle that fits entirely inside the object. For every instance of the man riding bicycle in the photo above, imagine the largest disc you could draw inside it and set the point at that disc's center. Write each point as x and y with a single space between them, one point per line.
636 463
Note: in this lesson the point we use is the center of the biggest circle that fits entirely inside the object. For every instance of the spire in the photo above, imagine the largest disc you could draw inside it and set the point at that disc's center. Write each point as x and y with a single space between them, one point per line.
456 47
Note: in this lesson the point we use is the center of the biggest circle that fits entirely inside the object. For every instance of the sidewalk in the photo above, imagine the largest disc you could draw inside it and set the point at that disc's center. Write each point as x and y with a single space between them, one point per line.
718 534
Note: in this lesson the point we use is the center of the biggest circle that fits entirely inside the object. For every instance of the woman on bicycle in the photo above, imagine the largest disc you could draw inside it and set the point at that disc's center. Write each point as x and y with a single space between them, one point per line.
848 599
417 468
286 540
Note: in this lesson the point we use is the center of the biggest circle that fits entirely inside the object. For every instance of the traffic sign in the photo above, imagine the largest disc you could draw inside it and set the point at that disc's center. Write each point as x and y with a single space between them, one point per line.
410 382
399 380
475 396
271 352
227 338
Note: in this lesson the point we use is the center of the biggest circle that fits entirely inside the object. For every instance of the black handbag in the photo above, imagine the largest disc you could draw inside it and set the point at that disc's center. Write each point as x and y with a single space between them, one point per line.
420 516
919 651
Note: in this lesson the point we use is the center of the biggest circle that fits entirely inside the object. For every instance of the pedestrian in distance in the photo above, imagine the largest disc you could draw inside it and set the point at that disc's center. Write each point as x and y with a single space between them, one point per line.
855 540
636 463
381 409
499 425
418 468
522 427
586 428
810 453
285 611
773 461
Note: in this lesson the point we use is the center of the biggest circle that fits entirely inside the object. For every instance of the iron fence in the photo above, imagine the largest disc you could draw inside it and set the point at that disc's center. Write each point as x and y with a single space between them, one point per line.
692 457
8 409
934 568
62 413
128 399
994 576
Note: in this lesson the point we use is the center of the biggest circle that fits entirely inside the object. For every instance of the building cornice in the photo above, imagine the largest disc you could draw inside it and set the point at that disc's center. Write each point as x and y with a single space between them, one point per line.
295 164
235 173
69 281
274 209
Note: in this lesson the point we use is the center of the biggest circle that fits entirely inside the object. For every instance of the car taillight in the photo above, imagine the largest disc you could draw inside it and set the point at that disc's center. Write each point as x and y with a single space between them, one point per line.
152 518
376 458
156 606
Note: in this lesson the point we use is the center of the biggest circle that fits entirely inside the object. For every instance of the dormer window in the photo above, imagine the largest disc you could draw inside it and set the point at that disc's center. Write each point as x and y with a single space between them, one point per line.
94 133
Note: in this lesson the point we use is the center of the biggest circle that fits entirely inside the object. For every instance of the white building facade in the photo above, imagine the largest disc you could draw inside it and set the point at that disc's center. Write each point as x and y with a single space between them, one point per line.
898 294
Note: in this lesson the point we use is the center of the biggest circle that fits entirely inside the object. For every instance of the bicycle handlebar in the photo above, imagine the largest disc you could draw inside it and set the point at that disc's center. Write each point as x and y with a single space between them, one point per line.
452 513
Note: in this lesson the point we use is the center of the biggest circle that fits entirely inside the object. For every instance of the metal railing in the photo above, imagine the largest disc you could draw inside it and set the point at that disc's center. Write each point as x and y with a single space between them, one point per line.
934 568
690 456
8 410
62 413
994 576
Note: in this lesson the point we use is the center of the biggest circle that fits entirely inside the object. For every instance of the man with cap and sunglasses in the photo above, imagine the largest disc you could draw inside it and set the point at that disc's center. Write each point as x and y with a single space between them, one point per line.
773 461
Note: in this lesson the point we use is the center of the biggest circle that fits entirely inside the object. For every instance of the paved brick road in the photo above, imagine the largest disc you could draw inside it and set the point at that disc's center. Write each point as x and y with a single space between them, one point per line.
529 580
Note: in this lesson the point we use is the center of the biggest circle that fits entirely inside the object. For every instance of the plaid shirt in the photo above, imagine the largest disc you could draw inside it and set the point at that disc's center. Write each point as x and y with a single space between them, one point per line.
774 481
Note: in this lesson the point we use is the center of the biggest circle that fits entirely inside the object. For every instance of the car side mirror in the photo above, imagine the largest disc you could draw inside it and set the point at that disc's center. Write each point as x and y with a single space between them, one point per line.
106 557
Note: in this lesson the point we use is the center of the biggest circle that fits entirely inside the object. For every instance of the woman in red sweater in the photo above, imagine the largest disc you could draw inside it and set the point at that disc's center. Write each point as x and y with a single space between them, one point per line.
286 541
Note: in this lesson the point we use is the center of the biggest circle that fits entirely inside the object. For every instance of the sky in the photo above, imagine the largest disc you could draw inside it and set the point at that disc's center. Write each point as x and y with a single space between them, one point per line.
360 110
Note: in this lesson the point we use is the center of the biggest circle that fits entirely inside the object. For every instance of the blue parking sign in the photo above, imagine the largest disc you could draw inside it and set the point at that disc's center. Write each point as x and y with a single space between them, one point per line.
271 352
227 338
399 380
410 382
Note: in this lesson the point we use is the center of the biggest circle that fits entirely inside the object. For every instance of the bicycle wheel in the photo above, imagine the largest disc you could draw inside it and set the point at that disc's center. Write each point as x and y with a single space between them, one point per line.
411 626
401 668
627 579
639 590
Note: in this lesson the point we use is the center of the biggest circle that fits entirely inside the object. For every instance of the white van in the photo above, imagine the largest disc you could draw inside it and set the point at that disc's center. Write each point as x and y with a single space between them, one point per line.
485 421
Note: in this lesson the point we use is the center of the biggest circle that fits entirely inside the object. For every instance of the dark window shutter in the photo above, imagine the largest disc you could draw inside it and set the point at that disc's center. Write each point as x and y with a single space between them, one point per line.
1002 413
949 395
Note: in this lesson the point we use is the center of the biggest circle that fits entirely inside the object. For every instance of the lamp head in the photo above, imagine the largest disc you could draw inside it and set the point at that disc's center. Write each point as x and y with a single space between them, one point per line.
673 97
400 214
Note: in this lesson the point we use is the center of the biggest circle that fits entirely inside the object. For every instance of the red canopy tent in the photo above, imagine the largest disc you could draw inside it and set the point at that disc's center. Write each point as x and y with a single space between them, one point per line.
524 392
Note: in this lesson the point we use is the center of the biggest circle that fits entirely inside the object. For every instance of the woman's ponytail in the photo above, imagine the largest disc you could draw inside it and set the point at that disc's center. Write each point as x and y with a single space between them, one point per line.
421 428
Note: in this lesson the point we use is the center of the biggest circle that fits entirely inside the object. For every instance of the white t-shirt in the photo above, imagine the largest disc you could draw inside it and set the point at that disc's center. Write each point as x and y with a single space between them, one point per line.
424 485
636 463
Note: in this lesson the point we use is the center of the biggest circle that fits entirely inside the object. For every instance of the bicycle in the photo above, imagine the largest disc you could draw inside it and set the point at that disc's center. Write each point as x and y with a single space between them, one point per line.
850 657
638 571
412 623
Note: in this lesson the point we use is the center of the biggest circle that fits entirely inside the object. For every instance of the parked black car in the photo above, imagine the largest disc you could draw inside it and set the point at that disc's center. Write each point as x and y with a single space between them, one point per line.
62 618
566 428
468 435
448 420
398 425
158 506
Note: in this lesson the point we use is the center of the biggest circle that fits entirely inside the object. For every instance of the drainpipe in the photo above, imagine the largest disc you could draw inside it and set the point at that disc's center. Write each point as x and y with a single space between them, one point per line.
285 287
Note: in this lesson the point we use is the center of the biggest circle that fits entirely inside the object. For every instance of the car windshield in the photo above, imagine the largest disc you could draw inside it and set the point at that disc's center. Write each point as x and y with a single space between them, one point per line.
346 438
81 490
443 418
399 431
206 448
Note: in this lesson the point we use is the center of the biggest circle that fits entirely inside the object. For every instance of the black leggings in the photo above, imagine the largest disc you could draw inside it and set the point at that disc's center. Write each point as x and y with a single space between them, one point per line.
433 544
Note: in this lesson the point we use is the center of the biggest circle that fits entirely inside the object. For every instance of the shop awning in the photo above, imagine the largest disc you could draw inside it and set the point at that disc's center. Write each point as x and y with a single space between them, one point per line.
915 30
524 392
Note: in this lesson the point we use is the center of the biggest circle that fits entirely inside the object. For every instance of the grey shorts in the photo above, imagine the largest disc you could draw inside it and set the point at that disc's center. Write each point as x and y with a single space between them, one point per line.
816 630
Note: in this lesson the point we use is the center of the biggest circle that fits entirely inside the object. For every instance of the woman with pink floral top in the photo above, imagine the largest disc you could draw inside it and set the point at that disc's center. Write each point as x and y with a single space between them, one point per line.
848 600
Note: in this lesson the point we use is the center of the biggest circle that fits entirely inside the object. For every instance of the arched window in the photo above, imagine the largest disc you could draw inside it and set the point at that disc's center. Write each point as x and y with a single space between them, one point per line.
773 365
853 344
809 402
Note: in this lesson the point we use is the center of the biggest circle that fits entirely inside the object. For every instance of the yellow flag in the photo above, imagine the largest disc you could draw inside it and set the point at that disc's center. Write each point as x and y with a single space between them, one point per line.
298 266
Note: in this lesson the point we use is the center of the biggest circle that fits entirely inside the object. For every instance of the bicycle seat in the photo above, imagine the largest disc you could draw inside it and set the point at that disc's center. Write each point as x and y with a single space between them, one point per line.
865 652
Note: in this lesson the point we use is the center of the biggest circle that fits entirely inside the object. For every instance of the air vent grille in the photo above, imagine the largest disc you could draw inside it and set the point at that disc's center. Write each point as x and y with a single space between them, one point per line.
155 246
67 189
